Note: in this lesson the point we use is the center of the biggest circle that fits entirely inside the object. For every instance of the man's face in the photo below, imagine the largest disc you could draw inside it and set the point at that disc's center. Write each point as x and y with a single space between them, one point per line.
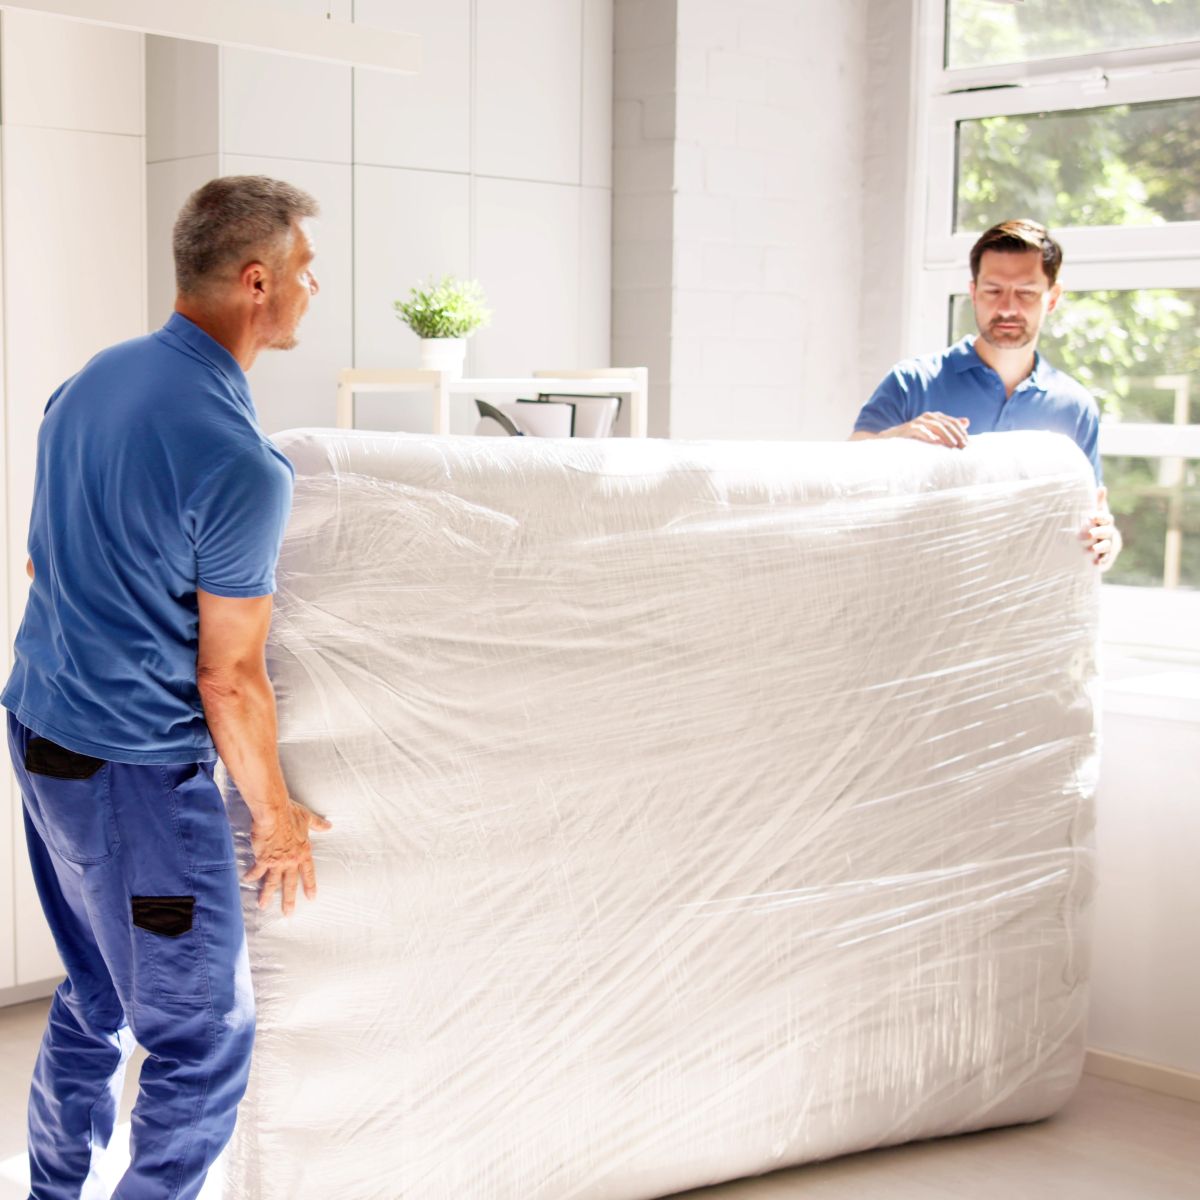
1012 298
293 287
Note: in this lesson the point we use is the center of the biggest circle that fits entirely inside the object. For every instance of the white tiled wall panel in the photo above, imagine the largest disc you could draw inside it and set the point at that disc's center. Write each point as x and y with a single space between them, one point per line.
494 163
72 210
168 185
527 257
280 107
595 278
9 847
65 75
527 89
597 124
410 225
419 120
297 387
182 82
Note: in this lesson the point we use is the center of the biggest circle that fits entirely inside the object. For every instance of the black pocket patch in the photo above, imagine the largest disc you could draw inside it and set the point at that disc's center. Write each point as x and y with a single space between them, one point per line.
44 757
169 916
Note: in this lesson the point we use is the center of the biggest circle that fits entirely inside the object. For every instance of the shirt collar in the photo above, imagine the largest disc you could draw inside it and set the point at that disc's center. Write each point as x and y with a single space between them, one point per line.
211 351
964 357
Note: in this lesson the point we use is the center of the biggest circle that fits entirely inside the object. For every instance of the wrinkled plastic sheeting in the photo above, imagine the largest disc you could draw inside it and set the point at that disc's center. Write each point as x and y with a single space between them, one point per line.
699 809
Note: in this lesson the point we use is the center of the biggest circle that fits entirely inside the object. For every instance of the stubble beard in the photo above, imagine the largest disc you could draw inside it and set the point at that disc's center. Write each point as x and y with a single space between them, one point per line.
1017 340
287 338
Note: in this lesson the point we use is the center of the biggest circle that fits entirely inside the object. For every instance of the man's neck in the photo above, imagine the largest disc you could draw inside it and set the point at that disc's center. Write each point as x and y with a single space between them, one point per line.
1012 366
229 330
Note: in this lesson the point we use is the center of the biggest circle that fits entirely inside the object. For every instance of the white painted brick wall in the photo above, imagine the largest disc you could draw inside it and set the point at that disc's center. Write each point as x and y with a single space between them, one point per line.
741 249
888 248
644 167
768 205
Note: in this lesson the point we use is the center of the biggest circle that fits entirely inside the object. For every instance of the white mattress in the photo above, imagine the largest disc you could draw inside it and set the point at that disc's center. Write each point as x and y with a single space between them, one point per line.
699 810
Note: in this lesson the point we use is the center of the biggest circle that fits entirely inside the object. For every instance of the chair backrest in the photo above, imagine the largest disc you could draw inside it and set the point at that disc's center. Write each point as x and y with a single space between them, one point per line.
549 416
494 422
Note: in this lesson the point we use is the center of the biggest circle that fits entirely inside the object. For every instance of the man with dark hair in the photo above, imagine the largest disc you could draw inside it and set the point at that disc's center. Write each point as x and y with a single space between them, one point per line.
998 381
159 507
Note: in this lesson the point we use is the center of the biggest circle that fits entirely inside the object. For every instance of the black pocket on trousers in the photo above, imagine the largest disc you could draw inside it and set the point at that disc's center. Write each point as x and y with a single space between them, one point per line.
44 757
169 916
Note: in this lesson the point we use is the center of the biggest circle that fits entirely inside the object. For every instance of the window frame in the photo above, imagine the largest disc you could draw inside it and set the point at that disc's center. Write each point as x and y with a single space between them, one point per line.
1095 258
1146 622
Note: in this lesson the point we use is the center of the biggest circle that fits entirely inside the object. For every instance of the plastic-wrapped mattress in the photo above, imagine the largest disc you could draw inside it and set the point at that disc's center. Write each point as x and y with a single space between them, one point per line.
699 809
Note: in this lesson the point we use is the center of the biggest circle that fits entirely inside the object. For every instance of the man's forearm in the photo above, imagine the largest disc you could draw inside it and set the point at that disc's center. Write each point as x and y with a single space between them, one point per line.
239 706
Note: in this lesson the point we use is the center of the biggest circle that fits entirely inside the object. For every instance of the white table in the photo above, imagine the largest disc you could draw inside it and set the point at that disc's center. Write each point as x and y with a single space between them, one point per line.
631 382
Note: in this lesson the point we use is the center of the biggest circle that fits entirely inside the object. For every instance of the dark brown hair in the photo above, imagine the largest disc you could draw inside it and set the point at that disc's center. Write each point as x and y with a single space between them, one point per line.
1019 237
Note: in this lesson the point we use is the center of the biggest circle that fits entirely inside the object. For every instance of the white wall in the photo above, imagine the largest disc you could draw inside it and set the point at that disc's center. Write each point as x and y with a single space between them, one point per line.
1146 967
643 234
73 228
768 217
494 162
740 170
888 255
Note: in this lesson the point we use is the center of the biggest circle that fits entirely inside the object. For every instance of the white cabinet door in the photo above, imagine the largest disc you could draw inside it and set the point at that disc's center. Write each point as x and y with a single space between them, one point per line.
8 946
73 221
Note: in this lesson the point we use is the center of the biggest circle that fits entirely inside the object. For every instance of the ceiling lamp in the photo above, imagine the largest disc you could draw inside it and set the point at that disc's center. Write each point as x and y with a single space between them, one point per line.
251 26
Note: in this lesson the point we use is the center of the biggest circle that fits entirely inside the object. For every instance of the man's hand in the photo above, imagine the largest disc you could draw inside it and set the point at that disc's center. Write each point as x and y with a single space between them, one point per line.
283 855
239 706
934 427
1100 536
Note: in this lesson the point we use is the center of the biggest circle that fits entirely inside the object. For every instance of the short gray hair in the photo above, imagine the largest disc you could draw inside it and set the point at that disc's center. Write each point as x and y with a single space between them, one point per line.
232 221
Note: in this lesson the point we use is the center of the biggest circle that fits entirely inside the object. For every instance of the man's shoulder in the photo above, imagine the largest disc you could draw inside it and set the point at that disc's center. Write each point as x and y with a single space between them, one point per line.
1065 390
132 367
926 369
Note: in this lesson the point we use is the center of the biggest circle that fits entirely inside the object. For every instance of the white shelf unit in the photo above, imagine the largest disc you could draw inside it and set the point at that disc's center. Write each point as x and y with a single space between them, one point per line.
630 383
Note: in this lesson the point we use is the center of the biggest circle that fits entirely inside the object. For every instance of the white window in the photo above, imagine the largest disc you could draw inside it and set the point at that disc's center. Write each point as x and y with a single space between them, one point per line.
1085 117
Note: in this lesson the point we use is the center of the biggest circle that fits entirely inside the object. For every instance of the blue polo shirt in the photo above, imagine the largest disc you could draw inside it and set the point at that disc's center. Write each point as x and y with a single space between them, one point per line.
153 480
959 383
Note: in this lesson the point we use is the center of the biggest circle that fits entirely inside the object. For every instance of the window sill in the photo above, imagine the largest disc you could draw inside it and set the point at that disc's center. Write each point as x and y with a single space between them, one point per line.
1165 694
1151 652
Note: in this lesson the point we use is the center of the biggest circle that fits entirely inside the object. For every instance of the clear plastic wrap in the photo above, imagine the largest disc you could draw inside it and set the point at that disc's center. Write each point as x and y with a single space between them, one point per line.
699 810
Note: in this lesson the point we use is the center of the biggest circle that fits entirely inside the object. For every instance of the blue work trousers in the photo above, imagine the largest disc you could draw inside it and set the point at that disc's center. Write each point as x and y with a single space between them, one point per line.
135 869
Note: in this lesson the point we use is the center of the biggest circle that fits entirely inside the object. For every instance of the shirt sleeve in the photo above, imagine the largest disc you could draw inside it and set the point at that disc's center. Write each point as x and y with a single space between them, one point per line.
239 518
887 407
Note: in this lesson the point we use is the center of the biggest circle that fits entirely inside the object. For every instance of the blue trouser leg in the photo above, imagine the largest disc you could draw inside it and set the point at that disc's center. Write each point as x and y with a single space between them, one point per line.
135 869
73 1129
87 1042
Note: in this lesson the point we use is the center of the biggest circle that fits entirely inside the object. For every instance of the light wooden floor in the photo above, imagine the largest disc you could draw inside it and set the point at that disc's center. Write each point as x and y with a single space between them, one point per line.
1111 1142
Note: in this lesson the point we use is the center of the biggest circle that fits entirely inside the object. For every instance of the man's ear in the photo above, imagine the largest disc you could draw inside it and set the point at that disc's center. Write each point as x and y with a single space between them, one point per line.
1055 294
971 290
254 281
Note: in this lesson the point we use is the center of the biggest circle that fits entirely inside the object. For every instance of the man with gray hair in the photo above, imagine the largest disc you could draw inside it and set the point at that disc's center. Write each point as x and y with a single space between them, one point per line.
159 508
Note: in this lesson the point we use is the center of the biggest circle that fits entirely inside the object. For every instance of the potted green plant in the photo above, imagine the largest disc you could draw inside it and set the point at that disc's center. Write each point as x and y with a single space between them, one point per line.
443 315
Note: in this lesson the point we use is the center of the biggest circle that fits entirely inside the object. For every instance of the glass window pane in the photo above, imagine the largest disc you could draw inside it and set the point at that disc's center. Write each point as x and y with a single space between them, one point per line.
1156 502
1138 352
1127 164
987 33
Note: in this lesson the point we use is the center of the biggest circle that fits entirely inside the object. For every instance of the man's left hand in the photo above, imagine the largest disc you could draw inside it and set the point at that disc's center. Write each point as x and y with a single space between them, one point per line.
1101 538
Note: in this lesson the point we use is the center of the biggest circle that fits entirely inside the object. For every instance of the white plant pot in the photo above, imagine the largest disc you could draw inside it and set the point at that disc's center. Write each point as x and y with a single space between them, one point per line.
444 354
